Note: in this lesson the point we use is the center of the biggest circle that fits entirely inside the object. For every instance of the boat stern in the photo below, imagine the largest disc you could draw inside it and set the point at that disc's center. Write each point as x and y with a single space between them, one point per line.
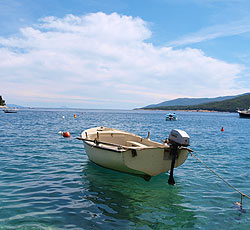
153 161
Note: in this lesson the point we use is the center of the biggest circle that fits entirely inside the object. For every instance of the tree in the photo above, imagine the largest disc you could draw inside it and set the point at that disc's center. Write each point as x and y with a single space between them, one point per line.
2 102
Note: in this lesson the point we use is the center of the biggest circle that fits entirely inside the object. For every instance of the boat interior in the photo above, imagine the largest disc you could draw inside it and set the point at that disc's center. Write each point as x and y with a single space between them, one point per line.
122 138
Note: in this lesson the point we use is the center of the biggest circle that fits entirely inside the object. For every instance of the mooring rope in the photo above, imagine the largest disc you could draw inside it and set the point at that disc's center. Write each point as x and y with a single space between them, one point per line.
241 193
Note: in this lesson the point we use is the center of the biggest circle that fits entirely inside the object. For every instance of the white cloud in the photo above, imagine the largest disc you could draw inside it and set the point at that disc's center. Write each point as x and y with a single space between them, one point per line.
105 60
213 32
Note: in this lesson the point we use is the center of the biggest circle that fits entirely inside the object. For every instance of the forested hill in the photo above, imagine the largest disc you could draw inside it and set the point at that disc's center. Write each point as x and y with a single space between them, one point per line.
230 105
189 101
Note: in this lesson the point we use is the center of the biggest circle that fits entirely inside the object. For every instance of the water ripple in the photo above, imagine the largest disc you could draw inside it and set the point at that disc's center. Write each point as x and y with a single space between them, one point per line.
47 181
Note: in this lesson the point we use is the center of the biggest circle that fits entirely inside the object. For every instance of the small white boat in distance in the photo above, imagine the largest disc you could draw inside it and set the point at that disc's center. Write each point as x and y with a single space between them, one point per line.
171 117
126 152
10 110
244 113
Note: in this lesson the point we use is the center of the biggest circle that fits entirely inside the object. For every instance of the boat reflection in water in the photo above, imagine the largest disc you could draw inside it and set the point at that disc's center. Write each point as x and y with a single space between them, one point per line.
119 200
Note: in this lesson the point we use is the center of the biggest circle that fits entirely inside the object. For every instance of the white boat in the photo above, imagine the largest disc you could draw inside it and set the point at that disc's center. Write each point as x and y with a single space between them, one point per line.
171 117
10 110
126 152
244 113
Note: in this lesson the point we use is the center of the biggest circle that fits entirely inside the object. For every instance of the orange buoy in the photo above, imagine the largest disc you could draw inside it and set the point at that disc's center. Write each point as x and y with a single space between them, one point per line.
66 134
74 116
222 129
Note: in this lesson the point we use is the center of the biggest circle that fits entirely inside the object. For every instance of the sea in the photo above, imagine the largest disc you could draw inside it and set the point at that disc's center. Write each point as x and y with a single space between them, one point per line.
48 183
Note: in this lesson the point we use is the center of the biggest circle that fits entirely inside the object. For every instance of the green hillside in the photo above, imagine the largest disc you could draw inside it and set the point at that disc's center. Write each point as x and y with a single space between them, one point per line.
230 105
190 101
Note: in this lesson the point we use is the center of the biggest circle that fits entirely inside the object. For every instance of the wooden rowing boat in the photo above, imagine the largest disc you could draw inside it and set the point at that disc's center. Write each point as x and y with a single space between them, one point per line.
126 152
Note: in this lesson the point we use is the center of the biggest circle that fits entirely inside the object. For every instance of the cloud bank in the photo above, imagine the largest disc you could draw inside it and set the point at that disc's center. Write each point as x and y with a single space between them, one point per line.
105 61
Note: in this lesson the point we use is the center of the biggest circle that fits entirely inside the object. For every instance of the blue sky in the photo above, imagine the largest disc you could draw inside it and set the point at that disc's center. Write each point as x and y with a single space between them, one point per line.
122 54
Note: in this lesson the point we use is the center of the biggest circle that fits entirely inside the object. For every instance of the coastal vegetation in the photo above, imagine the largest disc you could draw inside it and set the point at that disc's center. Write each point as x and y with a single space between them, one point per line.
2 102
190 101
230 105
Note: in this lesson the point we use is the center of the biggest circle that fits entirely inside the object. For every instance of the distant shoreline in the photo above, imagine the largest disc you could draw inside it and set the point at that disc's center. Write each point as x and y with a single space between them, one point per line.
186 110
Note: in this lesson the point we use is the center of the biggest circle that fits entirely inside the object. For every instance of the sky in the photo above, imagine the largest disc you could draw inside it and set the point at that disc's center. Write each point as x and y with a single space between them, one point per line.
122 54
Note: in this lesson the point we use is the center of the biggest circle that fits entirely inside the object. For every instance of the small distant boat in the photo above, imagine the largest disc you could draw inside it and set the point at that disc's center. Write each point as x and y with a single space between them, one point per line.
126 152
10 110
244 113
171 117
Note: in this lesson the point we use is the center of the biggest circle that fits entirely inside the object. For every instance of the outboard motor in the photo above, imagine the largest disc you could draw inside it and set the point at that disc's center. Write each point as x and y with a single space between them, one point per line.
176 139
179 137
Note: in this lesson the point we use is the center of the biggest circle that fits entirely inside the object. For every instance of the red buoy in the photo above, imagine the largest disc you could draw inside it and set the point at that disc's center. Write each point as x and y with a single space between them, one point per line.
66 134
222 129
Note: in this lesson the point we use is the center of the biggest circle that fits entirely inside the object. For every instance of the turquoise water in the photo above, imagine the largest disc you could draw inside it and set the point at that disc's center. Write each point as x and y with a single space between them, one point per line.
47 182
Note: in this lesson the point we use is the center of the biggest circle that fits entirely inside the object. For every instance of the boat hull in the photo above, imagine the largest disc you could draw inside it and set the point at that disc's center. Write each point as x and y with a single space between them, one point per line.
151 161
244 114
171 118
10 110
108 159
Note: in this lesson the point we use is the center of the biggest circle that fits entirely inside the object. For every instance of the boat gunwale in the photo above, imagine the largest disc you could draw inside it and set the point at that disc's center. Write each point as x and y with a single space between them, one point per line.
125 148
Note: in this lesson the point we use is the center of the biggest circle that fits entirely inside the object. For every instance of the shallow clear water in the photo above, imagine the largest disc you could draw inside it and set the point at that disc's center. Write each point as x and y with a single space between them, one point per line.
47 182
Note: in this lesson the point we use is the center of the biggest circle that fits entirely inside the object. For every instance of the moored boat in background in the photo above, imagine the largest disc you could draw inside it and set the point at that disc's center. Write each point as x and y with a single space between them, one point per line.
171 117
244 113
10 110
